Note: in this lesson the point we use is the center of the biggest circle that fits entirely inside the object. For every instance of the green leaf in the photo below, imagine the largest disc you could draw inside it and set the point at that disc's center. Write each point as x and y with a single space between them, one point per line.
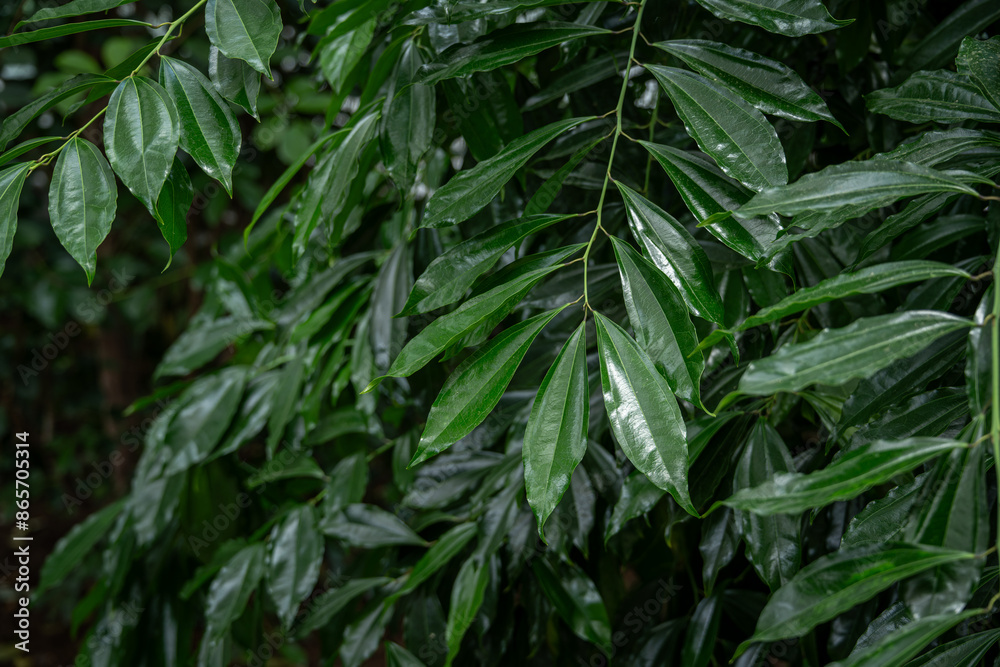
720 537
726 127
978 61
555 439
448 277
965 651
293 561
348 481
285 402
141 134
295 466
24 147
83 199
11 182
926 414
702 632
587 74
408 119
71 549
932 148
208 131
938 47
231 590
674 252
247 30
472 189
466 599
835 583
485 310
773 542
871 280
172 207
856 351
235 80
45 34
928 239
444 549
397 656
661 323
644 415
504 47
883 520
15 123
906 642
767 84
791 18
369 527
546 194
474 389
72 9
846 477
340 52
326 605
576 600
939 96
199 345
870 184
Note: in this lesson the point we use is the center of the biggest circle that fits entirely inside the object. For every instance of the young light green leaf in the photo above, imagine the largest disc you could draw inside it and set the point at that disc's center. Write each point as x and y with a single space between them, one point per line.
172 206
485 310
407 119
231 589
940 96
767 84
848 476
978 60
874 184
675 252
11 182
728 129
472 189
902 644
833 584
141 133
83 198
448 277
474 389
791 18
208 131
504 47
576 600
293 561
643 412
71 549
45 34
235 80
856 351
555 439
247 30
661 323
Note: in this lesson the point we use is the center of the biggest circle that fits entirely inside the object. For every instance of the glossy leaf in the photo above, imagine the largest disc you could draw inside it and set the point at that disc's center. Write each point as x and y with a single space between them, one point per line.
555 438
247 30
474 389
883 520
369 527
72 9
938 47
397 656
14 123
11 181
977 60
208 131
903 644
444 549
940 96
326 605
644 415
726 127
172 206
576 600
472 189
199 345
71 549
965 651
767 84
720 537
793 18
235 80
83 199
466 599
293 561
702 632
141 134
846 477
43 34
408 119
231 589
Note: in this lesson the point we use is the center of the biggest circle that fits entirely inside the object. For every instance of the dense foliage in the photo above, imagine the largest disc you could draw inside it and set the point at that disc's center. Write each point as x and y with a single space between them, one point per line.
650 333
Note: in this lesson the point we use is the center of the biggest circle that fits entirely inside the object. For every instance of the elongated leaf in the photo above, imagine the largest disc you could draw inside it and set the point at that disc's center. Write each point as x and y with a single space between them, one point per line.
792 18
45 34
579 78
470 10
643 412
549 190
470 190
15 123
770 86
932 148
172 206
208 131
293 561
247 30
675 252
926 414
504 47
773 542
702 632
965 651
874 184
977 60
397 656
939 96
199 345
661 323
24 147
485 310
576 600
728 129
833 584
938 47
447 547
71 549
141 134
11 182
448 277
369 527
235 80
466 599
325 605
407 119
856 351
474 389
847 477
340 53
231 589
720 537
72 9
904 643
83 199
555 439
883 520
